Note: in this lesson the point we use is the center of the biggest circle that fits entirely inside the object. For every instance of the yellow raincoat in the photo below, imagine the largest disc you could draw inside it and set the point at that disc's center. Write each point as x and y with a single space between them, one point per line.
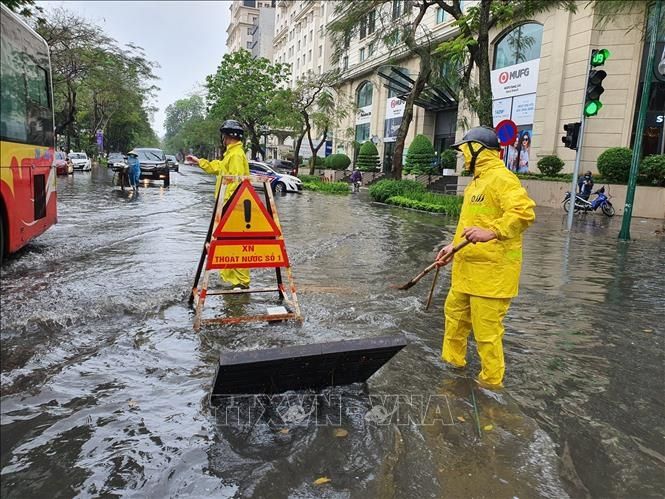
233 163
485 276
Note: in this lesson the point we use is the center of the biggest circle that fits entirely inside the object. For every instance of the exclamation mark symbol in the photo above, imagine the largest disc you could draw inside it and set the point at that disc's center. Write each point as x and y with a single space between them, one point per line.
248 212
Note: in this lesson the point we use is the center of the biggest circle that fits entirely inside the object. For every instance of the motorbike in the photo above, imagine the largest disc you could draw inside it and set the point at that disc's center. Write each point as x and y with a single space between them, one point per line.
583 205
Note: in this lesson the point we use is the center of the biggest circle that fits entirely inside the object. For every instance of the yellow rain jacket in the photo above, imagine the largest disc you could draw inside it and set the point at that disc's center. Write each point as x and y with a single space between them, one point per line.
493 200
234 163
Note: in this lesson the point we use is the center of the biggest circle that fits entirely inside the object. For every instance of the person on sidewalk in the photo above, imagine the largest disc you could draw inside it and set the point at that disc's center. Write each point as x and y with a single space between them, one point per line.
234 162
485 275
356 180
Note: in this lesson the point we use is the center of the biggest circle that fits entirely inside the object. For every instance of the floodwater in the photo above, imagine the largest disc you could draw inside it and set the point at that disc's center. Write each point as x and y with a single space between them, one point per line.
105 384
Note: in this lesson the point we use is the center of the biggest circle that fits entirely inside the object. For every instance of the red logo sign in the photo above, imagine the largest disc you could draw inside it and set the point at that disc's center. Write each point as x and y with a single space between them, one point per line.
503 77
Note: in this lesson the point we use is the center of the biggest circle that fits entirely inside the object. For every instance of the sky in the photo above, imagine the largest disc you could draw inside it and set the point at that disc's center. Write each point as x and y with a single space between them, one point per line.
186 38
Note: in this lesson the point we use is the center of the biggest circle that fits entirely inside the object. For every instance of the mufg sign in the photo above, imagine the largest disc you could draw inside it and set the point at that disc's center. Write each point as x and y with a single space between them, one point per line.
518 79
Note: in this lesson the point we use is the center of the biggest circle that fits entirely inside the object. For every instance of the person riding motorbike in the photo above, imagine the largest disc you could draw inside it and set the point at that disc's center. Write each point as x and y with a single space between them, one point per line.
356 180
233 163
495 212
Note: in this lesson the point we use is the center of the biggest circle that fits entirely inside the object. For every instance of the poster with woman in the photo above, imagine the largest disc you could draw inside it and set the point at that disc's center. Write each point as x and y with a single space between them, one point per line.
522 150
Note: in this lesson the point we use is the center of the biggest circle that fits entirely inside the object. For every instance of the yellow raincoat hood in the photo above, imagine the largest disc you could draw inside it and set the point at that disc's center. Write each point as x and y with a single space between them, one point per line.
494 200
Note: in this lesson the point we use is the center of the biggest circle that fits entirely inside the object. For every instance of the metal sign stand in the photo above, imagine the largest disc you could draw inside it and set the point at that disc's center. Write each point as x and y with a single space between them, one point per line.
200 291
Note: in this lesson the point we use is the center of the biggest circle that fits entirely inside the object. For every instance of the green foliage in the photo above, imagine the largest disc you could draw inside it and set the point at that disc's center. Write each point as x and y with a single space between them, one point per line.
614 163
435 203
449 159
385 189
325 187
309 178
337 162
97 85
653 168
242 89
368 158
319 161
550 165
420 156
26 8
182 111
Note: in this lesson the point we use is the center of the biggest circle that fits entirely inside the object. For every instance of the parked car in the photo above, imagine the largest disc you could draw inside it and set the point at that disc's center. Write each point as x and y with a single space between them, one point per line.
62 165
80 161
153 165
116 161
279 182
172 162
282 166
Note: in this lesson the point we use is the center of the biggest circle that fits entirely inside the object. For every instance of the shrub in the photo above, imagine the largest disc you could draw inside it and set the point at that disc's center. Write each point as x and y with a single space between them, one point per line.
309 178
653 168
420 156
550 165
325 187
368 158
385 189
614 163
337 162
436 203
449 159
319 161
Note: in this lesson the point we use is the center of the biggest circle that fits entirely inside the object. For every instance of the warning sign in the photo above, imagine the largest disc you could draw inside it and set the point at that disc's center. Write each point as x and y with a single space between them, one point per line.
245 254
246 216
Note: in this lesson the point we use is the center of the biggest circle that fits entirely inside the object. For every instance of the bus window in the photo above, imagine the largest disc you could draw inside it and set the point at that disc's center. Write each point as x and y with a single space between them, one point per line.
37 85
40 121
12 94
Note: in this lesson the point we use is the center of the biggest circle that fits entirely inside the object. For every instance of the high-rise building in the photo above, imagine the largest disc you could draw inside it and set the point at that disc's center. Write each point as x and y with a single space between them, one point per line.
251 27
300 39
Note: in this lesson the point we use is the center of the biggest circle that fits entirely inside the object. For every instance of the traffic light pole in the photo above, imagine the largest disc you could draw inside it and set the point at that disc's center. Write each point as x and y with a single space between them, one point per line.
624 235
576 169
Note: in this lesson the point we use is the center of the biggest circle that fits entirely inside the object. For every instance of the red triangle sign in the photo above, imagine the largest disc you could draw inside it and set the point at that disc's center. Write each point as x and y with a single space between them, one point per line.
246 216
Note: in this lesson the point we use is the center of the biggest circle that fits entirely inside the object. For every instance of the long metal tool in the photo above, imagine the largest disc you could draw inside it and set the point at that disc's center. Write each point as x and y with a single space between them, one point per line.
431 291
431 267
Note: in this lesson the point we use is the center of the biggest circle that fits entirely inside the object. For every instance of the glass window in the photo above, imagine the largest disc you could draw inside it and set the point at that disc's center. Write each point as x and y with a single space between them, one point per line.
365 94
370 48
397 8
363 29
320 50
12 94
362 132
371 22
440 15
522 44
249 44
345 62
362 54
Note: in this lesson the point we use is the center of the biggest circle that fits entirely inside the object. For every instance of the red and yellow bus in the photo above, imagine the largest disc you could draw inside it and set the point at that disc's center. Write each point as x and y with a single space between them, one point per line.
27 174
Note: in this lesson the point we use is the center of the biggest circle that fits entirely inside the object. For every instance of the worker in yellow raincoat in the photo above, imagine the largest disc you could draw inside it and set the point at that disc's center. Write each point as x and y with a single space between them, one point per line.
234 162
485 275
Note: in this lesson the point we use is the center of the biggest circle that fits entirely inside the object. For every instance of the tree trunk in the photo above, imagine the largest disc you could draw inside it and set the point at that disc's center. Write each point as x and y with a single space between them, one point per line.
296 152
315 150
485 91
418 87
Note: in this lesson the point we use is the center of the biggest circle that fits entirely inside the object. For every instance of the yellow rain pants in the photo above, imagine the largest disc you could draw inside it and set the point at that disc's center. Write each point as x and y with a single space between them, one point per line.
485 276
234 163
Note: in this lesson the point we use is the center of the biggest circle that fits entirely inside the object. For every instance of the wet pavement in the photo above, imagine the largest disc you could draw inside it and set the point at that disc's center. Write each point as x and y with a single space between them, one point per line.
105 384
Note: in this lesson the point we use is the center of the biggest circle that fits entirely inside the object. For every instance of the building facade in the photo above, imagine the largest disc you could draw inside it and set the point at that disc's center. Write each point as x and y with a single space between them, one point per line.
299 38
539 69
246 31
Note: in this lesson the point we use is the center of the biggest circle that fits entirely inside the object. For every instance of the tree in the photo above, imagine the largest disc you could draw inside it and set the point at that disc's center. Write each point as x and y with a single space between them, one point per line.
420 156
182 111
399 26
242 89
94 79
368 157
26 8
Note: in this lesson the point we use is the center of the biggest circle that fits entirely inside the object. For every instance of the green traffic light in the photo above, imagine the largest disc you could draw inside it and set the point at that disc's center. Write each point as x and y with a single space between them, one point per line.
592 108
599 57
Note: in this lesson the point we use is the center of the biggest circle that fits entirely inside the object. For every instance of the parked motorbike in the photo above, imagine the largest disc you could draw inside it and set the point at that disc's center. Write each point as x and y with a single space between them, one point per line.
583 205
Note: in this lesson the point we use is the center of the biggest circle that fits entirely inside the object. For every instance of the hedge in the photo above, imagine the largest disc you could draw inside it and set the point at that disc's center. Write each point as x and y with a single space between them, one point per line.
614 163
337 162
653 168
449 159
326 187
450 205
550 166
385 189
368 158
420 156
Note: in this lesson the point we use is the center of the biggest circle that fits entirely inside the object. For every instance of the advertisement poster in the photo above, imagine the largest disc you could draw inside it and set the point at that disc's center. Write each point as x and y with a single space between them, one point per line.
364 115
501 110
394 113
524 107
516 156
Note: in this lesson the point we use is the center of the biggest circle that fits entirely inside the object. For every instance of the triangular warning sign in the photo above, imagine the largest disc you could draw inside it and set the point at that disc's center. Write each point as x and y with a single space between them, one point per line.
246 216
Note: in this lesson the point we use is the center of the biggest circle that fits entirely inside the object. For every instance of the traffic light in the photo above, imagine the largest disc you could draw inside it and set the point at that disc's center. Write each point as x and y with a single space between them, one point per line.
572 135
594 87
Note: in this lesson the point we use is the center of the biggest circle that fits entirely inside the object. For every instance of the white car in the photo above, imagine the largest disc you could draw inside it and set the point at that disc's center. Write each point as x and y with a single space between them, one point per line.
279 182
80 161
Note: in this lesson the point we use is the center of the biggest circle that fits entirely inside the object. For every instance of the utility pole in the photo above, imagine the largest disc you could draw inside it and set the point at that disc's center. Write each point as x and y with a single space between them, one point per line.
624 235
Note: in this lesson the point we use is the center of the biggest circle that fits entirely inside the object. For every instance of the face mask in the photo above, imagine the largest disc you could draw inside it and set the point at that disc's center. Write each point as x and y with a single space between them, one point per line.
466 152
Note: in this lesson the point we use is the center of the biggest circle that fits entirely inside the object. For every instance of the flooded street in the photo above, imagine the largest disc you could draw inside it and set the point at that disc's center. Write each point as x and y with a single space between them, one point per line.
105 384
